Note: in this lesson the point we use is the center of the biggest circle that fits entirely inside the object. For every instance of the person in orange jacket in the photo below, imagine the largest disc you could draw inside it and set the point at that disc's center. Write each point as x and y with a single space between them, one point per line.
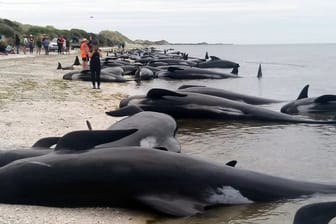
84 50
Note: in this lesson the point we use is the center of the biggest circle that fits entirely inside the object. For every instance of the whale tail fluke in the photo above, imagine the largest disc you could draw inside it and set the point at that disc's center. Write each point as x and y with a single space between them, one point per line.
259 75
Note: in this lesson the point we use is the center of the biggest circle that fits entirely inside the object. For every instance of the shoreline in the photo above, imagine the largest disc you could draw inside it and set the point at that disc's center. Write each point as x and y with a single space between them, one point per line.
36 102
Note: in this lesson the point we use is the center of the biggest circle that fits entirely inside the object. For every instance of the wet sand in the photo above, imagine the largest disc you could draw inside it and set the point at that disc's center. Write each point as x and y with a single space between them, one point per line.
36 102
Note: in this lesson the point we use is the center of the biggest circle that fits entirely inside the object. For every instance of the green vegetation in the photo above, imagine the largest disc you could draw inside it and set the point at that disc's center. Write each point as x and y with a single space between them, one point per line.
105 38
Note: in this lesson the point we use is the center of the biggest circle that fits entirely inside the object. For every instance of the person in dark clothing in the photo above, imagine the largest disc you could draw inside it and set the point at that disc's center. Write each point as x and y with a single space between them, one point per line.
60 41
17 43
95 55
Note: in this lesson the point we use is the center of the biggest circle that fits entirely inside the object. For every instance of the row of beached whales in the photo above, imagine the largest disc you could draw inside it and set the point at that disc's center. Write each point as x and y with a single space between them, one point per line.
145 64
138 161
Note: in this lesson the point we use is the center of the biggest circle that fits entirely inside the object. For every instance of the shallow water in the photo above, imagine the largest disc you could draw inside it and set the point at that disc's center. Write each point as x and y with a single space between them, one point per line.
298 151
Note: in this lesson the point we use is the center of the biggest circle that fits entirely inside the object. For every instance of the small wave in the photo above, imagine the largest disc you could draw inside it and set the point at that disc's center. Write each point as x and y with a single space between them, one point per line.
227 195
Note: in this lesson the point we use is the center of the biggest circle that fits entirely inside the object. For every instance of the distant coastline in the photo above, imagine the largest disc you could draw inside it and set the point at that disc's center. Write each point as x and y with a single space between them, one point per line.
202 43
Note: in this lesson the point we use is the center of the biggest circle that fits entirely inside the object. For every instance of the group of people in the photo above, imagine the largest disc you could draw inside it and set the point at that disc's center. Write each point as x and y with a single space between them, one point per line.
30 43
90 52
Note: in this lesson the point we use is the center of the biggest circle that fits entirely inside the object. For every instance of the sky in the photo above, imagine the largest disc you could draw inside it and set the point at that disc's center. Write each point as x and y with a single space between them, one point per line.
186 21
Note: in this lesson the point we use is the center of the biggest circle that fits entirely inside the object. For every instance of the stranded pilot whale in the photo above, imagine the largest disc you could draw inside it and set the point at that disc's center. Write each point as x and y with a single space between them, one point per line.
76 140
196 105
171 183
227 94
317 213
154 130
184 72
305 104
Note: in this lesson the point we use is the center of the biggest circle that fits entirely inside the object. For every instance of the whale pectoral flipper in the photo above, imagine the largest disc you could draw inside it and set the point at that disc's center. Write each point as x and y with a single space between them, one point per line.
159 93
180 207
218 110
82 140
125 111
189 86
325 99
172 69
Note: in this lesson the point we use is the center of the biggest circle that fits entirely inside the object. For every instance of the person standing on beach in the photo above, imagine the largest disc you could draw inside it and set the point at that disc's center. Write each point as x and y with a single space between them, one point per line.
31 44
39 46
67 46
95 55
17 44
84 50
60 41
45 43
25 44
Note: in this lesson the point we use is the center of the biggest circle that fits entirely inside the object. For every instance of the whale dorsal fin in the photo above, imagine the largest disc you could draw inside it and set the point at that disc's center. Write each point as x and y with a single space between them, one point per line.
173 69
189 86
125 111
175 206
304 93
232 163
76 62
325 98
46 142
158 93
259 75
82 140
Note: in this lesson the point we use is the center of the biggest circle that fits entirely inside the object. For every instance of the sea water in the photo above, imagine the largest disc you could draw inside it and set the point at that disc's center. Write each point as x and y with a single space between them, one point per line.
298 151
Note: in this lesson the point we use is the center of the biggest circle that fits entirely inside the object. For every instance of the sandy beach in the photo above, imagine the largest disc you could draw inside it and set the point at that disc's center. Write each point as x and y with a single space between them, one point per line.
36 102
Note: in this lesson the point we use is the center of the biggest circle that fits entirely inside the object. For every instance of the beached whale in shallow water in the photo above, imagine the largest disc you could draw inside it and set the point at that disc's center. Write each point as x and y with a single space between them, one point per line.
184 72
304 104
171 183
154 130
85 75
216 62
227 94
317 213
143 73
78 140
196 105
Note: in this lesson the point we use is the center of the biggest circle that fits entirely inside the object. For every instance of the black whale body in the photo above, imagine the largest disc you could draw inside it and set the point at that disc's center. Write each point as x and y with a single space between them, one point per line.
185 72
304 104
196 105
105 76
227 94
172 183
317 213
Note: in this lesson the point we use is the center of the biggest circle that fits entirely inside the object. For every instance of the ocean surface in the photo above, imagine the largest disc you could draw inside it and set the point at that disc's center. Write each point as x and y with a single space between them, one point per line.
298 151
